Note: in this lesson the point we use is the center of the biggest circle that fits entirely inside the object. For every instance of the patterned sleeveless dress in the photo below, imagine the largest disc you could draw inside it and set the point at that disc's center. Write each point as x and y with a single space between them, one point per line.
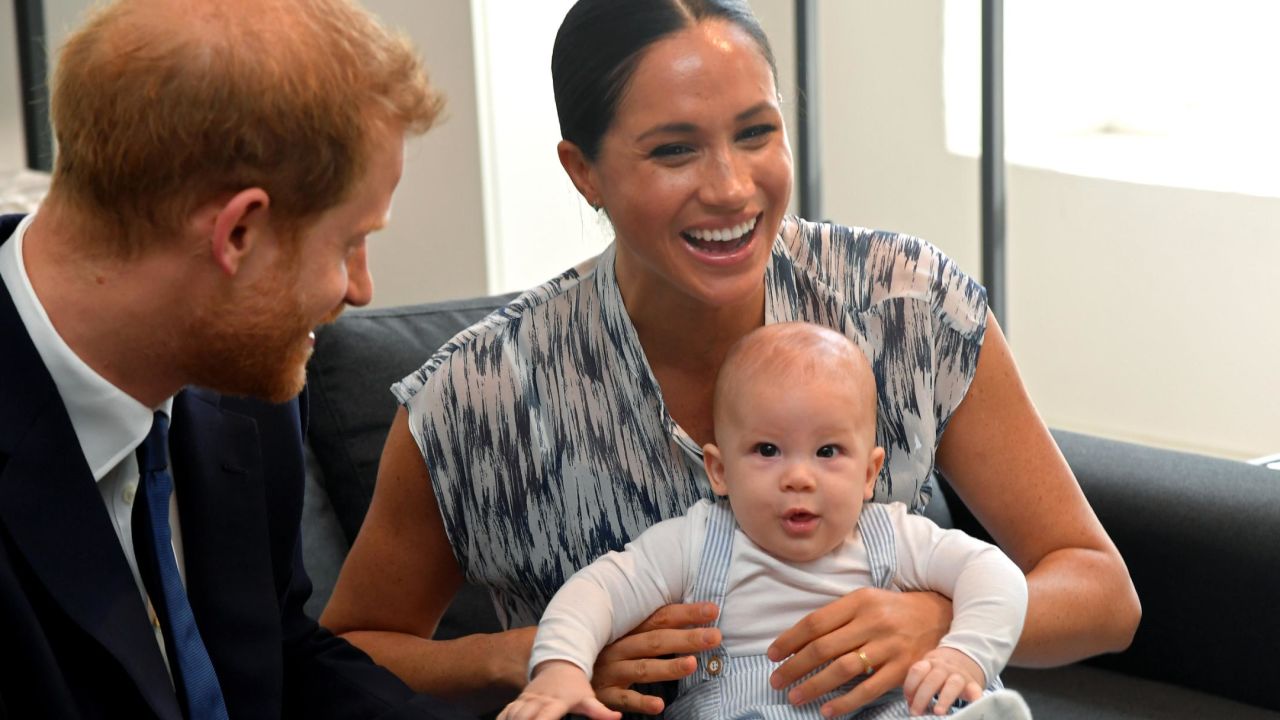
546 435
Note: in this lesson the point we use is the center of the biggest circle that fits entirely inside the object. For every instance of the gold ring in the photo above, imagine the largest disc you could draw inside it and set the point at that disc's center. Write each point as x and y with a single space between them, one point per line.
866 662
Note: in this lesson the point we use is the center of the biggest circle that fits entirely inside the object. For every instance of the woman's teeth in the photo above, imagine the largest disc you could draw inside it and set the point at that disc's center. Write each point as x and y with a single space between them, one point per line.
731 234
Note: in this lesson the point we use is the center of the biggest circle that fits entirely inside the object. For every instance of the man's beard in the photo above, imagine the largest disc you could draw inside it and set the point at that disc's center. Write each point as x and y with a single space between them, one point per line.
256 346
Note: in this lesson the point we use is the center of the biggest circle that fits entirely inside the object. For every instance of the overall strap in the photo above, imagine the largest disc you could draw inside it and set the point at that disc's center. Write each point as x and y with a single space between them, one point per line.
709 586
880 542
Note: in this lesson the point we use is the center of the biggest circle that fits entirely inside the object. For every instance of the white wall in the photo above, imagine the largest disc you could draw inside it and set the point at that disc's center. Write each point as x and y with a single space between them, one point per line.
537 225
433 248
59 17
12 155
1136 311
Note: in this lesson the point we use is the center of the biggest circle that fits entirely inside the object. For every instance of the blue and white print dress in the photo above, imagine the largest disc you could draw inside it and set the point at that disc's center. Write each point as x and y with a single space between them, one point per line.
547 439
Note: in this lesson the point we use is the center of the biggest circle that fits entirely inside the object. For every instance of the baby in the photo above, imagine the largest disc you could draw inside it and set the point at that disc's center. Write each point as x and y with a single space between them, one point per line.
795 464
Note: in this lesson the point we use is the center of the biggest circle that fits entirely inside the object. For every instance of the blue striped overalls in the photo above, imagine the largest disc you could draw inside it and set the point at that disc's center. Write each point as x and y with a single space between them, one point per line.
737 688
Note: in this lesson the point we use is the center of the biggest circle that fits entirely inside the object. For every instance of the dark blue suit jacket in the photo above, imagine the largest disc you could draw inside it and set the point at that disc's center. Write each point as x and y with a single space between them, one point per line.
75 641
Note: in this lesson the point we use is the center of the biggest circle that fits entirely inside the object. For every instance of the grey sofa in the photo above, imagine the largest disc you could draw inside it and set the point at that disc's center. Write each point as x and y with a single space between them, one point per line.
1201 536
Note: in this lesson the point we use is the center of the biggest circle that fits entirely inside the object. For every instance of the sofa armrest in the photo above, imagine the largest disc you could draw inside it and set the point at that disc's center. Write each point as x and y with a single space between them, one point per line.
1199 536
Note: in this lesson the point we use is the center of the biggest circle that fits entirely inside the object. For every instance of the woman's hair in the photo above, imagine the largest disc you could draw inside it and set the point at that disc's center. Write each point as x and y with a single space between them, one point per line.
600 43
160 107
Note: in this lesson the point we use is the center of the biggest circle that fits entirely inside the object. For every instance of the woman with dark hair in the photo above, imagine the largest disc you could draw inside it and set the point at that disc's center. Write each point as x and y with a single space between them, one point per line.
568 422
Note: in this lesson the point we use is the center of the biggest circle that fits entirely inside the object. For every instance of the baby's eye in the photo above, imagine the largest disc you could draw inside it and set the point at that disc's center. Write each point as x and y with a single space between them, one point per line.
767 449
828 451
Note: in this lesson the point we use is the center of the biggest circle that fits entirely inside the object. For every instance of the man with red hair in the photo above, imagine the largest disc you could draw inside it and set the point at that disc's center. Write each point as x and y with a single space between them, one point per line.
220 167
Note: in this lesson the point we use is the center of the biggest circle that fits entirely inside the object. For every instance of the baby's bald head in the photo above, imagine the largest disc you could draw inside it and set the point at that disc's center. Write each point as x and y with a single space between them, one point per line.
786 353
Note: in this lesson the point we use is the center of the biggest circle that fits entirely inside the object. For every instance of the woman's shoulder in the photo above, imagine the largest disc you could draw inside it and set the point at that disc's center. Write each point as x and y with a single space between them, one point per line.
481 349
869 266
888 258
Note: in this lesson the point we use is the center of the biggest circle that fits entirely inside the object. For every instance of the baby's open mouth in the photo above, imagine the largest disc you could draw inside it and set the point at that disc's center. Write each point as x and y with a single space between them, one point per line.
799 521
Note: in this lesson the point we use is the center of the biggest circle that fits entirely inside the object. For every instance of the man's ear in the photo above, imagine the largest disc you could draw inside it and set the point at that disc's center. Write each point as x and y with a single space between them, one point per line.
580 171
715 469
874 463
239 225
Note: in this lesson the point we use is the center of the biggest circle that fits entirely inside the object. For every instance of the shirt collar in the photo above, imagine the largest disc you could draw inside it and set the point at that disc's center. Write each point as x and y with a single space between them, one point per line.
108 422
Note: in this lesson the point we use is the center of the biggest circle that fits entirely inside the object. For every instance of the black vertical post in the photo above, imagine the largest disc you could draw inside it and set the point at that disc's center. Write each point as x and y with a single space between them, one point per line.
993 177
33 68
808 166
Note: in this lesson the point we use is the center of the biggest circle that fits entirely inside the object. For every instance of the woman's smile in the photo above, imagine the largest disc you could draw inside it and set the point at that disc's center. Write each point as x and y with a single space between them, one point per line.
724 243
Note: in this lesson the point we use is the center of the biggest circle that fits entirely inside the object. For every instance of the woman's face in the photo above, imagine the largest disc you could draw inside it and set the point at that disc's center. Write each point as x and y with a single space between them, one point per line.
695 172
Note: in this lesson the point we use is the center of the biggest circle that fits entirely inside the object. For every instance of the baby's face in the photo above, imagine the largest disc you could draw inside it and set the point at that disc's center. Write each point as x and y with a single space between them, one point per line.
797 461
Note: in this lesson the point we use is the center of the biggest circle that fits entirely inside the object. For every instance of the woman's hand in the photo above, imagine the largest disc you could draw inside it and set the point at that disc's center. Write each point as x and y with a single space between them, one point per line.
874 631
639 657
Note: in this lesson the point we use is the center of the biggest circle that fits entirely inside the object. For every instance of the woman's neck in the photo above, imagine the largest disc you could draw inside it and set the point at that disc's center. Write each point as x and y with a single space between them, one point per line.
684 343
676 332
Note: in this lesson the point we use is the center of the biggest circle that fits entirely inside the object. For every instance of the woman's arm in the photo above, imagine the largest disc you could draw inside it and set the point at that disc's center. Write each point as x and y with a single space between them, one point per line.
399 578
401 575
998 455
1000 459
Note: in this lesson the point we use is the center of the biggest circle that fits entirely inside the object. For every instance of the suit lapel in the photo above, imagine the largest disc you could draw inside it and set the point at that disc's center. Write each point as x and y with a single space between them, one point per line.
218 477
50 507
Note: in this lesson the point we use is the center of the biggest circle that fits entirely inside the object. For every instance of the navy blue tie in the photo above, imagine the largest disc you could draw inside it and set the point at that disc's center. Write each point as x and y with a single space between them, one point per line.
193 674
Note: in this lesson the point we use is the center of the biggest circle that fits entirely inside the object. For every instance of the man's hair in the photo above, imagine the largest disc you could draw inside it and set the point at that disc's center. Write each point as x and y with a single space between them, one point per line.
160 106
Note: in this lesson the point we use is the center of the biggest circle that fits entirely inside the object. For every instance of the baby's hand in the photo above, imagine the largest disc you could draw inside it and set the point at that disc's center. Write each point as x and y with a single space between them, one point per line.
558 688
947 673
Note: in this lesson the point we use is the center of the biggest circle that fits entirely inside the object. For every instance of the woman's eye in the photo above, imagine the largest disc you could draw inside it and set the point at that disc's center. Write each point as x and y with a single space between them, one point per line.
827 451
766 449
670 151
757 132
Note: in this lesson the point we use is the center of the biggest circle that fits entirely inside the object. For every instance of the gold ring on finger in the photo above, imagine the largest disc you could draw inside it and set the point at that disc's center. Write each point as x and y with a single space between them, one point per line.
866 663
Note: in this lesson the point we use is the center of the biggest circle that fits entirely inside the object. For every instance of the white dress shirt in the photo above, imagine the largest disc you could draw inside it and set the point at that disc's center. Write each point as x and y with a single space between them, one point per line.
109 424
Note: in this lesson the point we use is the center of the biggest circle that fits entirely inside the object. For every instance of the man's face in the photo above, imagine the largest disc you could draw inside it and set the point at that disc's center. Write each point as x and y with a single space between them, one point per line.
257 341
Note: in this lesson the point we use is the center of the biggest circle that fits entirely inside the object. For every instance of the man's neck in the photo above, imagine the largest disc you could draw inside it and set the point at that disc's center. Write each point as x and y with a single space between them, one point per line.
116 315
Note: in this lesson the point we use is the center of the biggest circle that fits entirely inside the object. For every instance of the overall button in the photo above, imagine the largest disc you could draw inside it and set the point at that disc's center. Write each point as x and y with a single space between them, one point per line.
714 665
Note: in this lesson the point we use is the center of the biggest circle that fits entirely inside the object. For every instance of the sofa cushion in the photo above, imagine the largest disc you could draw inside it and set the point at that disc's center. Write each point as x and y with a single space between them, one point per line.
350 375
1199 537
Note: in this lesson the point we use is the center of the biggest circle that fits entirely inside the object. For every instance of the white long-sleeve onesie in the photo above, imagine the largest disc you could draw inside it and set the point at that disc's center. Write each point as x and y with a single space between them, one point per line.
765 596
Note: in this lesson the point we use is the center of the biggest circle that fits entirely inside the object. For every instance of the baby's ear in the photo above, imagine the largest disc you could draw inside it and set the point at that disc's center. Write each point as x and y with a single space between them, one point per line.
874 462
715 468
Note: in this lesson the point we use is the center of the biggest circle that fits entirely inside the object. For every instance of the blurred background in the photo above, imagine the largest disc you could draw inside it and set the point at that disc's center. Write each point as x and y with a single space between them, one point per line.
1142 294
